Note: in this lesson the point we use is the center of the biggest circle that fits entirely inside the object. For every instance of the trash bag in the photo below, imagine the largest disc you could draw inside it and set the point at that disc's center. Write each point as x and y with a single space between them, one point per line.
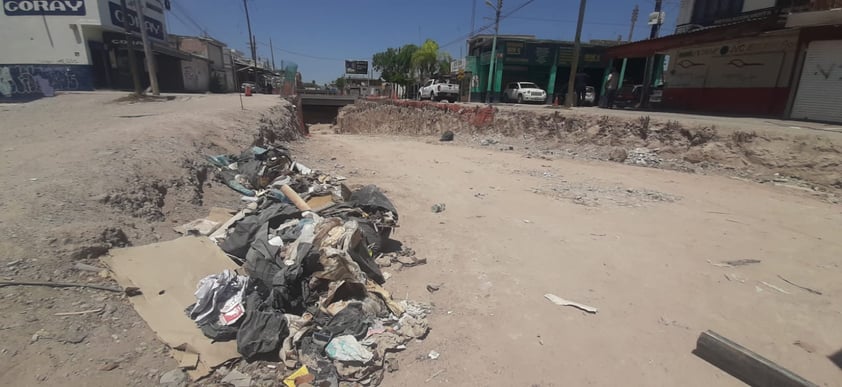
261 261
264 327
349 321
372 200
239 241
218 332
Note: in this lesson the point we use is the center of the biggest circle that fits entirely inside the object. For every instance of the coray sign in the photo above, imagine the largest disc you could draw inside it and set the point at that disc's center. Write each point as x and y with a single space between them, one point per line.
43 7
154 28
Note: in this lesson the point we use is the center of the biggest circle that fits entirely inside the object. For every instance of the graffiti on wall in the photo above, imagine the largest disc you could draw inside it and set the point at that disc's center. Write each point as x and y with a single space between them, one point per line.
23 82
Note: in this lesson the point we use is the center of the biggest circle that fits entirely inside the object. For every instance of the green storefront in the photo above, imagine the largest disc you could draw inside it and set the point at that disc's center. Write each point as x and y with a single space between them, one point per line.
526 59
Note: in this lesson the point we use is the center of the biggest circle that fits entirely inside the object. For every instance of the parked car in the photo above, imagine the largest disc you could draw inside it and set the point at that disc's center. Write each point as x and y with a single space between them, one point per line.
628 96
657 95
590 96
524 92
439 90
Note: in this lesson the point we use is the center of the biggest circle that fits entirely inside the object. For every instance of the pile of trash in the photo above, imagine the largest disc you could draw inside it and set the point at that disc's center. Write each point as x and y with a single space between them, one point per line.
309 291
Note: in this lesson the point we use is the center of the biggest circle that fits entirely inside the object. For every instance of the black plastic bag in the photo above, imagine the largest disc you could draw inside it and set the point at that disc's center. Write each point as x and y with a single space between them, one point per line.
264 327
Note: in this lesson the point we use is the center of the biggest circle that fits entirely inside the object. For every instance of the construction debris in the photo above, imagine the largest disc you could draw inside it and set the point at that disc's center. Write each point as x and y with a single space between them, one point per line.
308 284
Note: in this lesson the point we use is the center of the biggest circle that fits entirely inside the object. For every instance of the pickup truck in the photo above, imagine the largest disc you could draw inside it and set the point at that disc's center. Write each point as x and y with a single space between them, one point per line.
439 90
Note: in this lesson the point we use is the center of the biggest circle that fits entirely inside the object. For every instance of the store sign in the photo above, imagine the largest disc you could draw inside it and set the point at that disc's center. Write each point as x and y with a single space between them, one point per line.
356 67
43 7
154 28
117 40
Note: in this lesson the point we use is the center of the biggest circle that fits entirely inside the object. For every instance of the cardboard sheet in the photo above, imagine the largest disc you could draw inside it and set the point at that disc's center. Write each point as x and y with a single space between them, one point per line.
167 274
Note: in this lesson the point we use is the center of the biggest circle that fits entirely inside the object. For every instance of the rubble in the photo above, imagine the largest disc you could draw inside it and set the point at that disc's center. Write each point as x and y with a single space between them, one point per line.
308 290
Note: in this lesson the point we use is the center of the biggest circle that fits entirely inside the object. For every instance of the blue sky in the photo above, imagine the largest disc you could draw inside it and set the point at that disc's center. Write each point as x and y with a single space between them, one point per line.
319 34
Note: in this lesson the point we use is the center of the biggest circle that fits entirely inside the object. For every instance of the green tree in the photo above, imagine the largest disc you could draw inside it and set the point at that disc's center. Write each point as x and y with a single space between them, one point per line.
425 61
340 83
395 64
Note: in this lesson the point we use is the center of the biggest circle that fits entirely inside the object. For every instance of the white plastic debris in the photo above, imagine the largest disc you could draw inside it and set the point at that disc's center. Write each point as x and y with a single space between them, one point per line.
562 302
433 355
347 348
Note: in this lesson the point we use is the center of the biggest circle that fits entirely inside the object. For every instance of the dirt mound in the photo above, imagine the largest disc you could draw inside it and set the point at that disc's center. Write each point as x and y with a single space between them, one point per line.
810 161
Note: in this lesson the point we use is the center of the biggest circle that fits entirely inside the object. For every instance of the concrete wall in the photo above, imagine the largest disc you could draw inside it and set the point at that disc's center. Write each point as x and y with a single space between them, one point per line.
48 39
42 54
195 74
741 76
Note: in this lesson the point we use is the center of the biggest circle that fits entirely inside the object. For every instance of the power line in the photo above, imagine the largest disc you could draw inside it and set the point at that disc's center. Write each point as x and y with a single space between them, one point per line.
566 21
186 14
301 54
485 27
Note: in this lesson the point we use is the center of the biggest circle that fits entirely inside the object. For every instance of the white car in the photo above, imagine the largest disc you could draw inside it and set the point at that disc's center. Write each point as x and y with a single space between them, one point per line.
524 92
439 90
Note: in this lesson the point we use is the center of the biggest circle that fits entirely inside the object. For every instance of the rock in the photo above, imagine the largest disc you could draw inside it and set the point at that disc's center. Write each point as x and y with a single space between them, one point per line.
694 156
108 366
237 379
173 378
446 136
618 154
383 261
438 207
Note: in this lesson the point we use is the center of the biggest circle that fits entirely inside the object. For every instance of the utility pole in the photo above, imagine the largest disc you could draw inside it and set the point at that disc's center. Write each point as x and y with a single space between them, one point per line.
251 39
577 48
147 49
635 12
130 47
650 60
493 59
272 52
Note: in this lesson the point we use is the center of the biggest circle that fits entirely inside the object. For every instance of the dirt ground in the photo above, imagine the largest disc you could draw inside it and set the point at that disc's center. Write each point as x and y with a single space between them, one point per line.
81 174
647 264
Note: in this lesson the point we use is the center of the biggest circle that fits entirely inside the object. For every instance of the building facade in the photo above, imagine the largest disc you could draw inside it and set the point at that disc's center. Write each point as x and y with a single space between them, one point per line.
747 57
50 46
523 58
220 72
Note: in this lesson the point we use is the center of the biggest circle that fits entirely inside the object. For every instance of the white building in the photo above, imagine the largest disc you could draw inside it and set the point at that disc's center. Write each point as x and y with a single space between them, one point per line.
79 45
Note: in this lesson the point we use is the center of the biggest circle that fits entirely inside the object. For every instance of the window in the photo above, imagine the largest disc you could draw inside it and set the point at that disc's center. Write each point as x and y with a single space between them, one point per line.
528 85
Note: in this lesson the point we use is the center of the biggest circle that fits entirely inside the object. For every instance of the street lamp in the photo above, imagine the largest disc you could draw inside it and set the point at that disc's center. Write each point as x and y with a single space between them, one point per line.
493 58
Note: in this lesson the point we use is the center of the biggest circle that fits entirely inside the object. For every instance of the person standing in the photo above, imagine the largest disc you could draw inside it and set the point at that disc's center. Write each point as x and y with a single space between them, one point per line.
611 87
579 85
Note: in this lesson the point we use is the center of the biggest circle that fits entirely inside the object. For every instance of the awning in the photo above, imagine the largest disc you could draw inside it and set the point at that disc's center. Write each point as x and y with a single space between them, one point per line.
166 50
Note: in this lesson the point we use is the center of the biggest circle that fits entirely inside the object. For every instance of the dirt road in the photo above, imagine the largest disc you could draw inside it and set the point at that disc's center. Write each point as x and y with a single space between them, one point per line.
637 243
81 173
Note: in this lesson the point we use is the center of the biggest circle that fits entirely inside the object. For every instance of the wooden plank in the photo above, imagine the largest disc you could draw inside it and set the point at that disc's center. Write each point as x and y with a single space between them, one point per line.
743 364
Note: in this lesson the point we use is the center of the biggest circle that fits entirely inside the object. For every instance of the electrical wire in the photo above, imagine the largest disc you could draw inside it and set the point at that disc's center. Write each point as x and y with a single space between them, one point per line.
485 27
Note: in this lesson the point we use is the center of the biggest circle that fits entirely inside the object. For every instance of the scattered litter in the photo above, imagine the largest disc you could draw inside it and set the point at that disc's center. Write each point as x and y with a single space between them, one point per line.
432 288
60 285
202 227
735 263
805 346
562 302
433 376
527 221
734 277
775 287
438 207
799 286
296 378
109 365
294 274
433 355
85 267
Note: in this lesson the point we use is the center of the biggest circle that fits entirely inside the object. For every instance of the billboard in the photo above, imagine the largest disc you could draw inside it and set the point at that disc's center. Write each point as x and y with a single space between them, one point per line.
31 7
356 67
